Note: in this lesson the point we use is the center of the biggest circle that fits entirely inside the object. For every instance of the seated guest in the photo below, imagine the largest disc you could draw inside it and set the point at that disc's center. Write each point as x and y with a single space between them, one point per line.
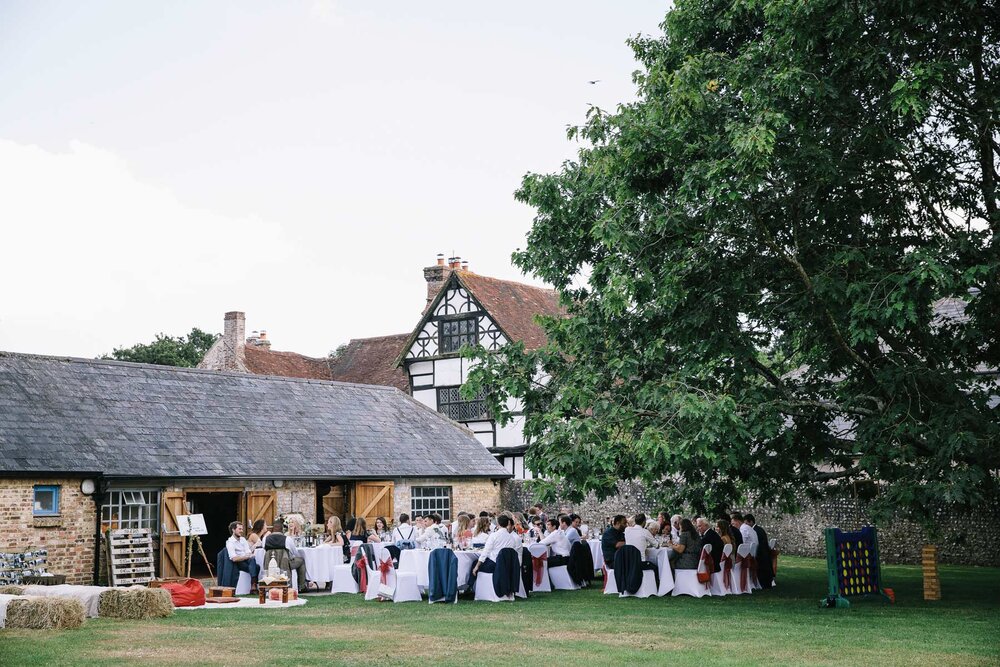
722 528
257 534
278 540
581 527
566 526
638 536
613 539
335 536
361 532
503 538
350 525
462 530
294 526
241 554
675 528
404 535
434 534
382 529
653 526
687 547
664 522
765 564
747 535
481 532
540 511
537 531
709 536
557 542
734 533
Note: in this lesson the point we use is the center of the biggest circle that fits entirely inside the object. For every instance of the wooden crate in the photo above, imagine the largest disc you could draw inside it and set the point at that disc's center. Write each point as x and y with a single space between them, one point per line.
130 557
932 582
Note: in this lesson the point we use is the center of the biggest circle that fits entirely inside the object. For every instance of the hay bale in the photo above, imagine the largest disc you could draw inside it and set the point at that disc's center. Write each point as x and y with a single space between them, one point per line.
35 613
136 603
11 589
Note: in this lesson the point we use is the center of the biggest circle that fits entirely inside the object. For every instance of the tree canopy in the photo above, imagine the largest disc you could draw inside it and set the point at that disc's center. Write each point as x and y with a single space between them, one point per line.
185 351
754 254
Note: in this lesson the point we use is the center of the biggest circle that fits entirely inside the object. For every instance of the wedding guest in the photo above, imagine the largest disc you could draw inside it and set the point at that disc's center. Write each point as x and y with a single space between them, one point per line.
613 539
241 554
765 565
404 532
687 547
581 527
257 534
664 522
294 527
675 527
434 534
361 532
503 538
461 532
334 532
722 529
734 534
541 513
747 535
482 531
638 536
537 531
709 536
568 529
557 542
653 526
278 540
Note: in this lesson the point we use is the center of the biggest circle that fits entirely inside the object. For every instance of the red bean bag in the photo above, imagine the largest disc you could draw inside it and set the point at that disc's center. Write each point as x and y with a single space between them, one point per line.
187 593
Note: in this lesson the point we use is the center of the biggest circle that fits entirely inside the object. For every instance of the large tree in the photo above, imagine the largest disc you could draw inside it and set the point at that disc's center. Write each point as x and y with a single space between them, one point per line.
751 255
166 350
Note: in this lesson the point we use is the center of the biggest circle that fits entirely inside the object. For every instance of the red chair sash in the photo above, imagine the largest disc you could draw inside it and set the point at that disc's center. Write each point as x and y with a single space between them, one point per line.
727 572
385 567
363 569
538 566
743 571
604 569
709 565
751 564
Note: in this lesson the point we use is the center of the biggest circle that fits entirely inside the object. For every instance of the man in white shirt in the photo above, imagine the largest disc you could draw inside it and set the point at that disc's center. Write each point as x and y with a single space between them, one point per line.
746 532
557 541
503 538
240 552
434 535
639 536
404 532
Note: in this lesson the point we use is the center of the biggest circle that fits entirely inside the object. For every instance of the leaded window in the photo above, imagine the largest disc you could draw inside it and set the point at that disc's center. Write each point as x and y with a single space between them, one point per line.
452 405
427 499
130 510
456 333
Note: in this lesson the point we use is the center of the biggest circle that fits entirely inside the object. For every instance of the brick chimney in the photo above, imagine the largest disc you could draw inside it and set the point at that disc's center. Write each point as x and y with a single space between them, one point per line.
233 335
436 276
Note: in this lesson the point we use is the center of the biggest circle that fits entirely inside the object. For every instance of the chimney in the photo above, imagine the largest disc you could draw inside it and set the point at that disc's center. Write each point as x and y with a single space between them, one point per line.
465 265
454 263
233 333
436 276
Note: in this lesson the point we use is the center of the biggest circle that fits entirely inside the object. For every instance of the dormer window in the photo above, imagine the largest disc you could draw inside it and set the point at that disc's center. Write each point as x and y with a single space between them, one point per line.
456 333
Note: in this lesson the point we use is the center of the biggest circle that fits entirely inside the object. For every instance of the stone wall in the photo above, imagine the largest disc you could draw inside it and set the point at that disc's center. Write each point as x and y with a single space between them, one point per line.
969 539
469 495
68 536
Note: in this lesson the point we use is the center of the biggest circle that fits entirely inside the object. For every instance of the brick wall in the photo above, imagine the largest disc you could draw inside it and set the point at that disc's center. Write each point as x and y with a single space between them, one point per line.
69 537
967 539
469 495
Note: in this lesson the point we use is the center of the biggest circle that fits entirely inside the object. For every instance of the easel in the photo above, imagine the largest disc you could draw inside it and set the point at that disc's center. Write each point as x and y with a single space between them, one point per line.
194 538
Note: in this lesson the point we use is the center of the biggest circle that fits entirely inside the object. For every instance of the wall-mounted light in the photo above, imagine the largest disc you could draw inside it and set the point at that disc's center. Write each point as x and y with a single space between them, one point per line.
278 483
87 486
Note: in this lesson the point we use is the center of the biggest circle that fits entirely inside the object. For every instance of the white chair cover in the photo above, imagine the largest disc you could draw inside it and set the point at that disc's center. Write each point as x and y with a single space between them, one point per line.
772 543
544 586
343 580
407 589
610 585
737 588
719 578
561 581
375 577
686 581
243 583
647 588
484 589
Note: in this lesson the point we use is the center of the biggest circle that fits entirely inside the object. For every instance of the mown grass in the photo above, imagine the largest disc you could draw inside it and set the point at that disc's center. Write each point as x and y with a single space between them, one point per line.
779 627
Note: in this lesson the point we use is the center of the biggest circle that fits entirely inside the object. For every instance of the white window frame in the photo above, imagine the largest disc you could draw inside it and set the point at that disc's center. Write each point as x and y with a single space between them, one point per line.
135 508
426 500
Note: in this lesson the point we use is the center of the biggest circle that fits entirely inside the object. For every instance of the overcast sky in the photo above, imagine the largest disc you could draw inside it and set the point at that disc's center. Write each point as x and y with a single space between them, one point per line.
164 162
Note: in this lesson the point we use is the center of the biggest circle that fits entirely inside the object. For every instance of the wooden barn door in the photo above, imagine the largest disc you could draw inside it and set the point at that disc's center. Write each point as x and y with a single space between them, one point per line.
171 541
373 499
260 505
335 502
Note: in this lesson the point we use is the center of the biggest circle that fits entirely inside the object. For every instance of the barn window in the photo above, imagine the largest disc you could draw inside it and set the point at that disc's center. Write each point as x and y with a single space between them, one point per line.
427 499
456 333
131 510
46 501
452 405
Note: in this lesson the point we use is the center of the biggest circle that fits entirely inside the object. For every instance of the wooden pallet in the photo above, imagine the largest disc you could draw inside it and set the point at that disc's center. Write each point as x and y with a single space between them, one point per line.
130 557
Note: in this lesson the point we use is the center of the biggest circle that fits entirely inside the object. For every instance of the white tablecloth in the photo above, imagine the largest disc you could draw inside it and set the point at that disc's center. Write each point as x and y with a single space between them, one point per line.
661 557
596 553
417 561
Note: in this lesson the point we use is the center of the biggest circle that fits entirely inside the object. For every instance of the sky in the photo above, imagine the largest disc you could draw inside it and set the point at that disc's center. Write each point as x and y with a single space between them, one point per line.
162 163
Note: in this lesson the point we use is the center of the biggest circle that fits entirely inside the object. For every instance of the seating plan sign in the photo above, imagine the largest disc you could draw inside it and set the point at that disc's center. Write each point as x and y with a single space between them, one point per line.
192 524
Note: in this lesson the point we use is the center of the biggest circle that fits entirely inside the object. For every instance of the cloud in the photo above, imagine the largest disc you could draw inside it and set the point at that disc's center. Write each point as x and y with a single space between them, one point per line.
85 245
326 12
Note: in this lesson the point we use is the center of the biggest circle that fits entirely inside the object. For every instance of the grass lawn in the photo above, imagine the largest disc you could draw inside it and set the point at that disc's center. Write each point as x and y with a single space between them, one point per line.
780 627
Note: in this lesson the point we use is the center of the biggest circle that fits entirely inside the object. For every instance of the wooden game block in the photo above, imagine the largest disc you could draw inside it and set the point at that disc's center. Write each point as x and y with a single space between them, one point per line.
221 591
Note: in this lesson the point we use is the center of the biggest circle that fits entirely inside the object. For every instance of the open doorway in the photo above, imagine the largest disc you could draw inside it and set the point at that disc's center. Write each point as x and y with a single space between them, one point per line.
332 499
220 508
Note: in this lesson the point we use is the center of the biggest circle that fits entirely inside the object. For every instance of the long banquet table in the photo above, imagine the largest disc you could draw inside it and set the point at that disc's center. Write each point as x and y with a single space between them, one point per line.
321 560
417 561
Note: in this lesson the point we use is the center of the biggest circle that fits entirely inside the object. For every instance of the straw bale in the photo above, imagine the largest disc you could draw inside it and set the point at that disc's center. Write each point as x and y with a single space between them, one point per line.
11 589
38 613
137 602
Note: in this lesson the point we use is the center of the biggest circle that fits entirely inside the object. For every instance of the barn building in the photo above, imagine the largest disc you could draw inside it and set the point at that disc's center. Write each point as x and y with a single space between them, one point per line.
87 445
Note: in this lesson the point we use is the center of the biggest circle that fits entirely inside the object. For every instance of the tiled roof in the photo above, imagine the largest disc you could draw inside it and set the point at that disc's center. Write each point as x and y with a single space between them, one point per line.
60 415
513 305
371 361
260 360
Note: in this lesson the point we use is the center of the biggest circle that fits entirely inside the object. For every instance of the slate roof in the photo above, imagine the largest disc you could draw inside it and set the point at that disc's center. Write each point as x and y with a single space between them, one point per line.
371 361
62 415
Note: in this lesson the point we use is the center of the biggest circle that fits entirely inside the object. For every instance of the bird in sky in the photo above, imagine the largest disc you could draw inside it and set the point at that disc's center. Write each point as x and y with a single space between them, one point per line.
595 81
